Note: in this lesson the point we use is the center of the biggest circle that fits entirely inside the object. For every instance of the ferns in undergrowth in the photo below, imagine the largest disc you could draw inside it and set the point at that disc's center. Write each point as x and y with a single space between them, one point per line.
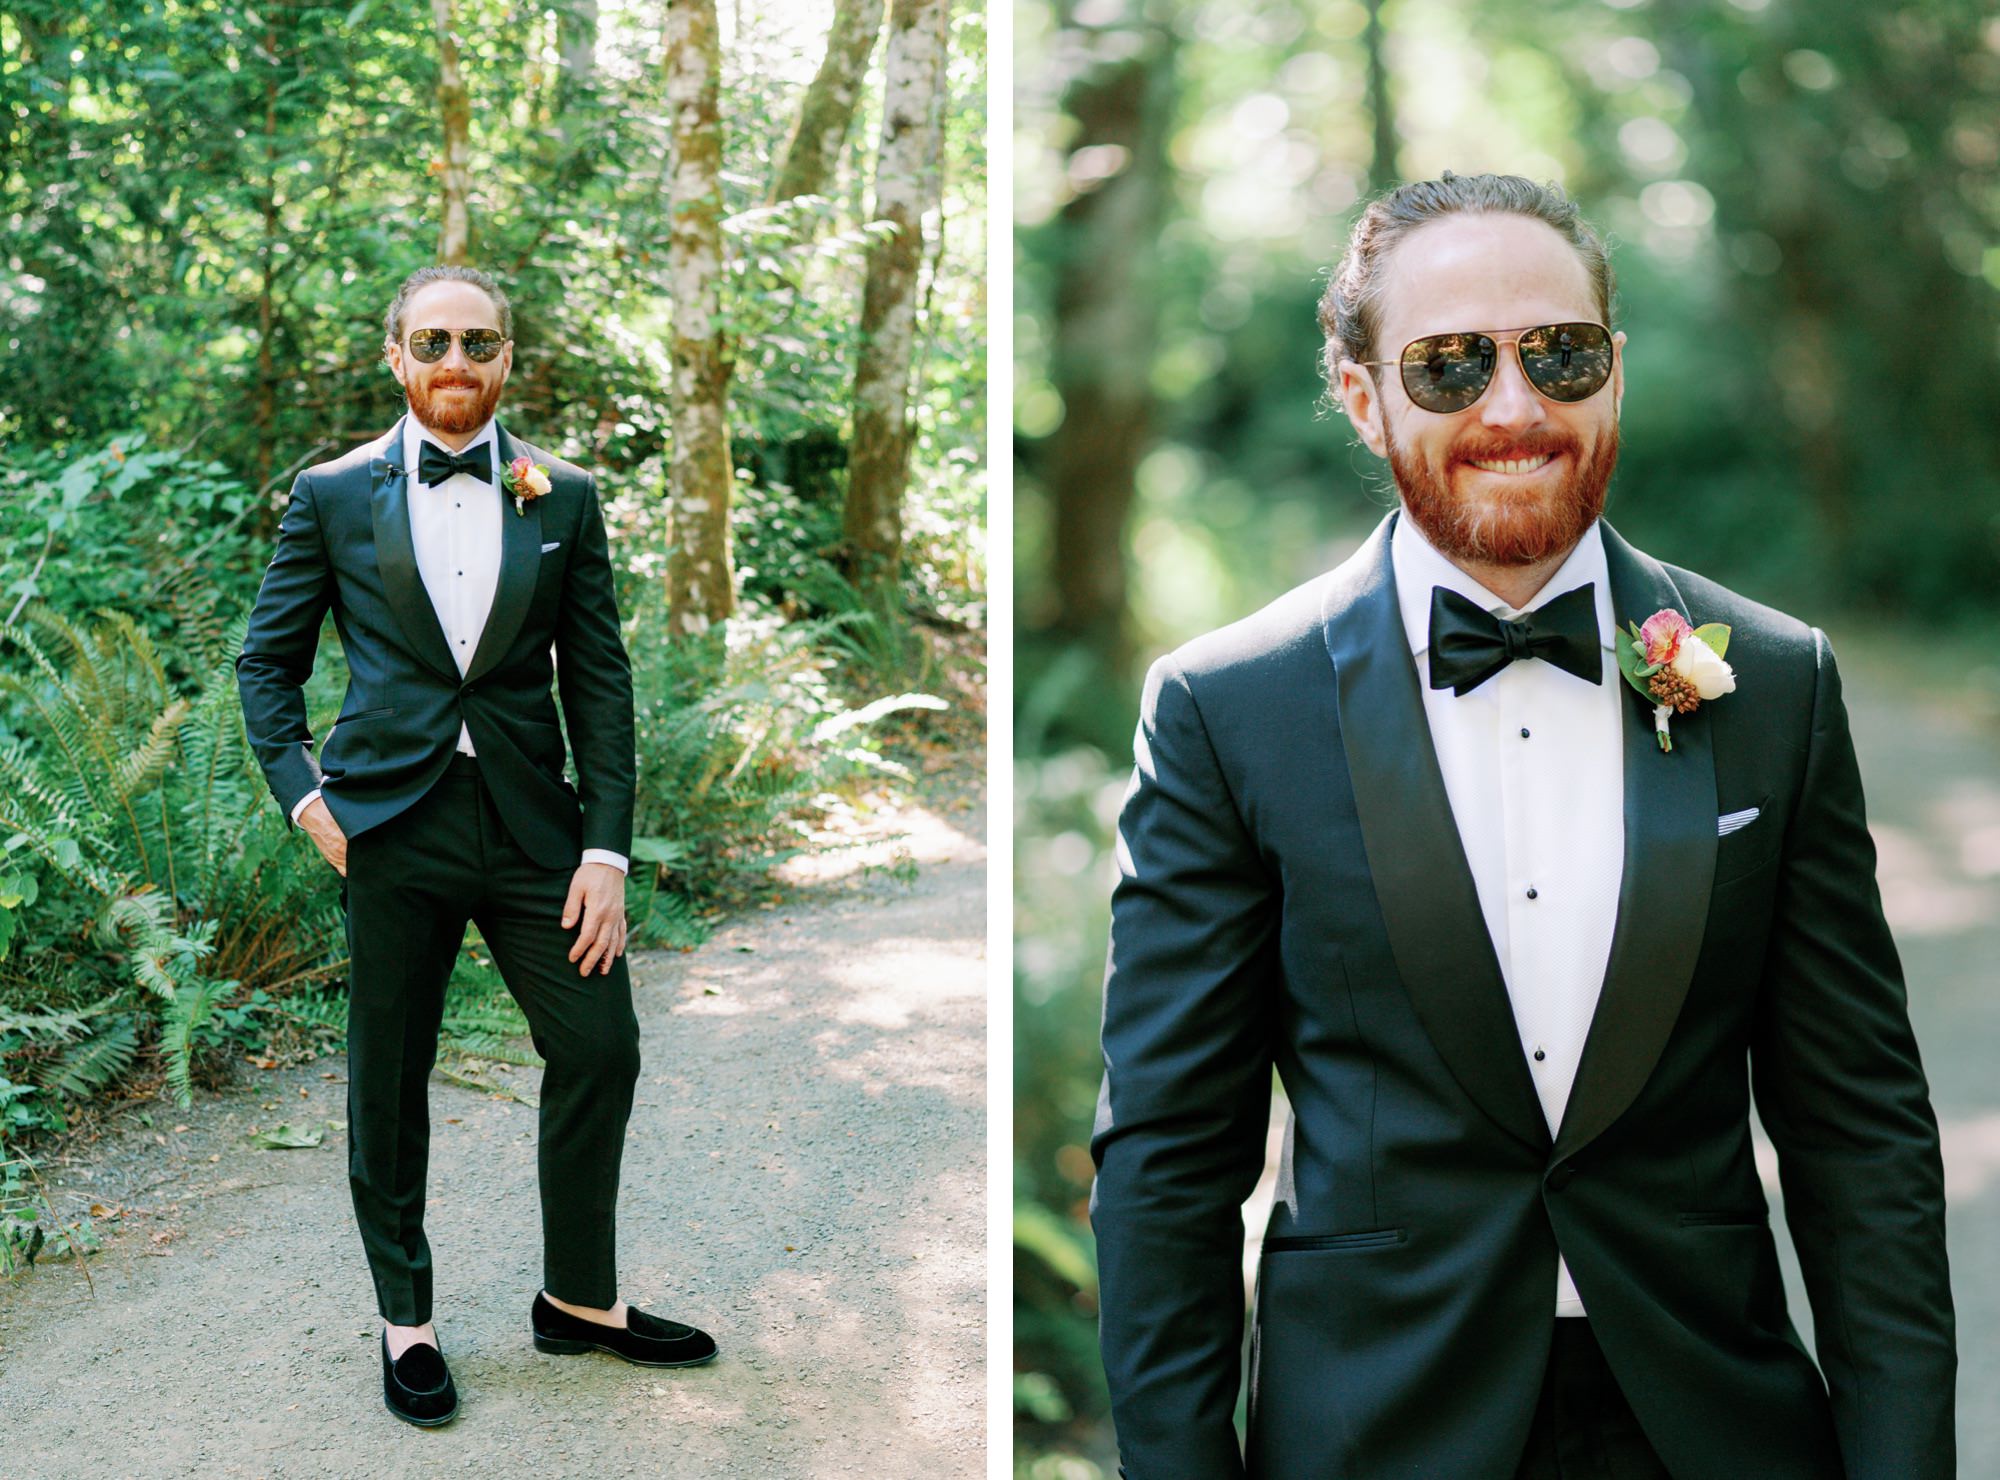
736 747
161 863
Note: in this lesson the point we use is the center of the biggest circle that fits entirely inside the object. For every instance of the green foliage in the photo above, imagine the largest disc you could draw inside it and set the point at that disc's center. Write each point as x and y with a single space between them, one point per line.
734 749
27 1218
140 817
121 526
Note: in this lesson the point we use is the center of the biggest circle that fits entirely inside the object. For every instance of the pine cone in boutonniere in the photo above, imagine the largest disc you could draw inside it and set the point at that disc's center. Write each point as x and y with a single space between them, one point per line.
526 480
1675 665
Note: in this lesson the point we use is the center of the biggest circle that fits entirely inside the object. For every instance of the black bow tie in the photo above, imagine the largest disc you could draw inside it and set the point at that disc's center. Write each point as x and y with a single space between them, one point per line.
1469 646
434 464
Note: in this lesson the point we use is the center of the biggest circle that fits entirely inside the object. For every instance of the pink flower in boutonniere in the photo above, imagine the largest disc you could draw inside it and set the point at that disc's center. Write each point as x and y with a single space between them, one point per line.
526 480
1675 665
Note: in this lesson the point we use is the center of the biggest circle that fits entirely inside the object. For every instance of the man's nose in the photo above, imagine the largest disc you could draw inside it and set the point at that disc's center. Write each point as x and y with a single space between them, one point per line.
1510 402
456 358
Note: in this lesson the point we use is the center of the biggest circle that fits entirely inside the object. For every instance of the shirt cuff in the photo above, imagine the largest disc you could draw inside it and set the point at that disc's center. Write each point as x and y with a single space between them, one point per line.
303 803
605 855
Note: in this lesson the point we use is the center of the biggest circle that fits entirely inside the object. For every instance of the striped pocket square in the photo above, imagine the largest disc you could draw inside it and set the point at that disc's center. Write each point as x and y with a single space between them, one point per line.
1729 822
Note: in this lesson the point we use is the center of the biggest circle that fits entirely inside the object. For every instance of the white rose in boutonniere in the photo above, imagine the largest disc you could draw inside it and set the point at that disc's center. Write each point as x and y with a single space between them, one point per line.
1675 665
526 480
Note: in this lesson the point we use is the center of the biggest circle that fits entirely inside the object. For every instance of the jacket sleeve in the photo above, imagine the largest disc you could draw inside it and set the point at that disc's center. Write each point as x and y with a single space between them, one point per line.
279 647
595 677
1181 1117
1842 1094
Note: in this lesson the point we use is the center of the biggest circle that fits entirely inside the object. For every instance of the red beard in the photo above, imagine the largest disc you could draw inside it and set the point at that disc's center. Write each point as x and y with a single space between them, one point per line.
452 415
1519 528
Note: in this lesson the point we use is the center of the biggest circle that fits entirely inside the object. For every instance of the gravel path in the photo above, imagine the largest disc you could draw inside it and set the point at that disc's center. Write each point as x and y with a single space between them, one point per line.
804 1178
1929 747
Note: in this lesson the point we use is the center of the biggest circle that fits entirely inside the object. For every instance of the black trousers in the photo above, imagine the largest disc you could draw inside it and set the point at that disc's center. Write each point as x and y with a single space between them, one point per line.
1584 1428
411 885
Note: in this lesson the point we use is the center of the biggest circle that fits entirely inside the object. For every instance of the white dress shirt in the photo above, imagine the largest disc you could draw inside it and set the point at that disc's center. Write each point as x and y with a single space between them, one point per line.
455 529
1533 766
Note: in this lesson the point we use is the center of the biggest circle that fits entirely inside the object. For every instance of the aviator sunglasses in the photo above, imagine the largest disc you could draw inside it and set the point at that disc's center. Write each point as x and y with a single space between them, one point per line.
432 345
1448 372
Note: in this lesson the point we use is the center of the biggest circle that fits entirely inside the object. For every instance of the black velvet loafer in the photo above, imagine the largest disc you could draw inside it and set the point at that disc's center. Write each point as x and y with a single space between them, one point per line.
417 1386
645 1340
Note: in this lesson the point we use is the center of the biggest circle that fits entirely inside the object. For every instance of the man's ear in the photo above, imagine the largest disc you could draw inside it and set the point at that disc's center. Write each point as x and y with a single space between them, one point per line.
1363 405
394 355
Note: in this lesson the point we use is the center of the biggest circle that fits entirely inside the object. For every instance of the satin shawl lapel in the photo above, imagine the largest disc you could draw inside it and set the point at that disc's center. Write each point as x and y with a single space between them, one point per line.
396 555
520 563
1423 883
1670 845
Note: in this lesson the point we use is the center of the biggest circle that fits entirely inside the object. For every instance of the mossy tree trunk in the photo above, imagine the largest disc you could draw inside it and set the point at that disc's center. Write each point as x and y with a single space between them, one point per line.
878 469
700 573
812 154
455 234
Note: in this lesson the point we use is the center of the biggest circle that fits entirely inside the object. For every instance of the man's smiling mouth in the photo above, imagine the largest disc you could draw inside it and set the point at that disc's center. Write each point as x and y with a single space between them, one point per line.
1512 465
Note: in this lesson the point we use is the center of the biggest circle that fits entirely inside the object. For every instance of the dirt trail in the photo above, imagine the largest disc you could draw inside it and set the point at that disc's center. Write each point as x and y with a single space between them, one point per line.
804 1178
1929 747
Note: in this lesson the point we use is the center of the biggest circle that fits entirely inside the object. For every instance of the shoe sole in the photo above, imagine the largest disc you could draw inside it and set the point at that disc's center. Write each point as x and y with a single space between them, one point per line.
422 1423
563 1347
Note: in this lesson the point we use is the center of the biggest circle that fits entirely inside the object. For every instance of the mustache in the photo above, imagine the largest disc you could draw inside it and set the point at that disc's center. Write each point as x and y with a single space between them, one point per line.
1528 444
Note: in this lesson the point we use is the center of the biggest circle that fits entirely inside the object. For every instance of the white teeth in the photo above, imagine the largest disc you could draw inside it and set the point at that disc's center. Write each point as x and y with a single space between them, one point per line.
1515 465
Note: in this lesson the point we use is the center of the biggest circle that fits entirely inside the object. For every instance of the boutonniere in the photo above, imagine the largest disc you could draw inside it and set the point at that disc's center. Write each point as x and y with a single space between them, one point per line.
1675 665
526 480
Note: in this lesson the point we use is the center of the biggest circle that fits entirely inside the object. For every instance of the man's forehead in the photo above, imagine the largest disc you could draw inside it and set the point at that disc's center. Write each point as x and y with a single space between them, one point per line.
1489 271
451 306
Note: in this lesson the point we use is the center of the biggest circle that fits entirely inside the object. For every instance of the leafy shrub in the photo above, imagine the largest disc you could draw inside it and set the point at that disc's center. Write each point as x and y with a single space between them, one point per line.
158 534
157 879
736 746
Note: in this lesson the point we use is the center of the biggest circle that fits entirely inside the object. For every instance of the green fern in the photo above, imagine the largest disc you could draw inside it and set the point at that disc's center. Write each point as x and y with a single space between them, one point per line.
88 1067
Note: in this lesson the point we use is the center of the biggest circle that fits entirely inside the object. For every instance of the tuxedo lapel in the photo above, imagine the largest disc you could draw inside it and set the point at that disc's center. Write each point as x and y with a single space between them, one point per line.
396 555
1670 840
520 563
1423 882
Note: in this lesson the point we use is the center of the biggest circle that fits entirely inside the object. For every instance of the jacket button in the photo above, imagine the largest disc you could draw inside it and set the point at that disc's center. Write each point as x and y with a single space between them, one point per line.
1561 1177
469 689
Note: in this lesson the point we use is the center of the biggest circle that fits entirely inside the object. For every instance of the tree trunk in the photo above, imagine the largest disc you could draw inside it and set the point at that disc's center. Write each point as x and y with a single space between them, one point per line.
1106 325
267 370
1383 171
455 238
700 575
576 39
878 467
813 153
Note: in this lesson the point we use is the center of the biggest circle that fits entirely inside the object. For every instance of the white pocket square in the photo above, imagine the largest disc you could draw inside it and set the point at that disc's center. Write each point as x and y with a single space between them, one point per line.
550 546
1729 822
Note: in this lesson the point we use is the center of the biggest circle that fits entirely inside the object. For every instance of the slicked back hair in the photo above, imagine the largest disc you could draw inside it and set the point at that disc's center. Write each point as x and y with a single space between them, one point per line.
1350 311
423 277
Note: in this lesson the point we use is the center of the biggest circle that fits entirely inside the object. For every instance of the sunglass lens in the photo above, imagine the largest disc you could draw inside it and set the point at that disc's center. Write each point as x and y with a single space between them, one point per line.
430 345
481 344
1447 372
1567 362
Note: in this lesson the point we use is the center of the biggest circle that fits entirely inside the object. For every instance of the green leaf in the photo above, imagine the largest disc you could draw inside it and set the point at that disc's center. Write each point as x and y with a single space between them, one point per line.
658 850
1633 665
287 1137
1716 635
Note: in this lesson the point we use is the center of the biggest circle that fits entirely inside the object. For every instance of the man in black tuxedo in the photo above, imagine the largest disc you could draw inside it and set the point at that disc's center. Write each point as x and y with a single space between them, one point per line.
1411 837
455 558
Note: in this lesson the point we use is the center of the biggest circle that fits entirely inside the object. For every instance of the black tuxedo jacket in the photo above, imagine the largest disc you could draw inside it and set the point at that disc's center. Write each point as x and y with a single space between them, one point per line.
344 544
1293 892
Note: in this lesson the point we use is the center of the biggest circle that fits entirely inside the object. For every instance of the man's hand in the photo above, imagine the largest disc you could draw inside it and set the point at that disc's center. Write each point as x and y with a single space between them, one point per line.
325 832
598 891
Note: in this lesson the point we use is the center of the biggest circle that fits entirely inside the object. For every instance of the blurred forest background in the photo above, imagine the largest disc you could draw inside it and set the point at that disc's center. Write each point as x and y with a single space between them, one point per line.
1803 204
746 257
